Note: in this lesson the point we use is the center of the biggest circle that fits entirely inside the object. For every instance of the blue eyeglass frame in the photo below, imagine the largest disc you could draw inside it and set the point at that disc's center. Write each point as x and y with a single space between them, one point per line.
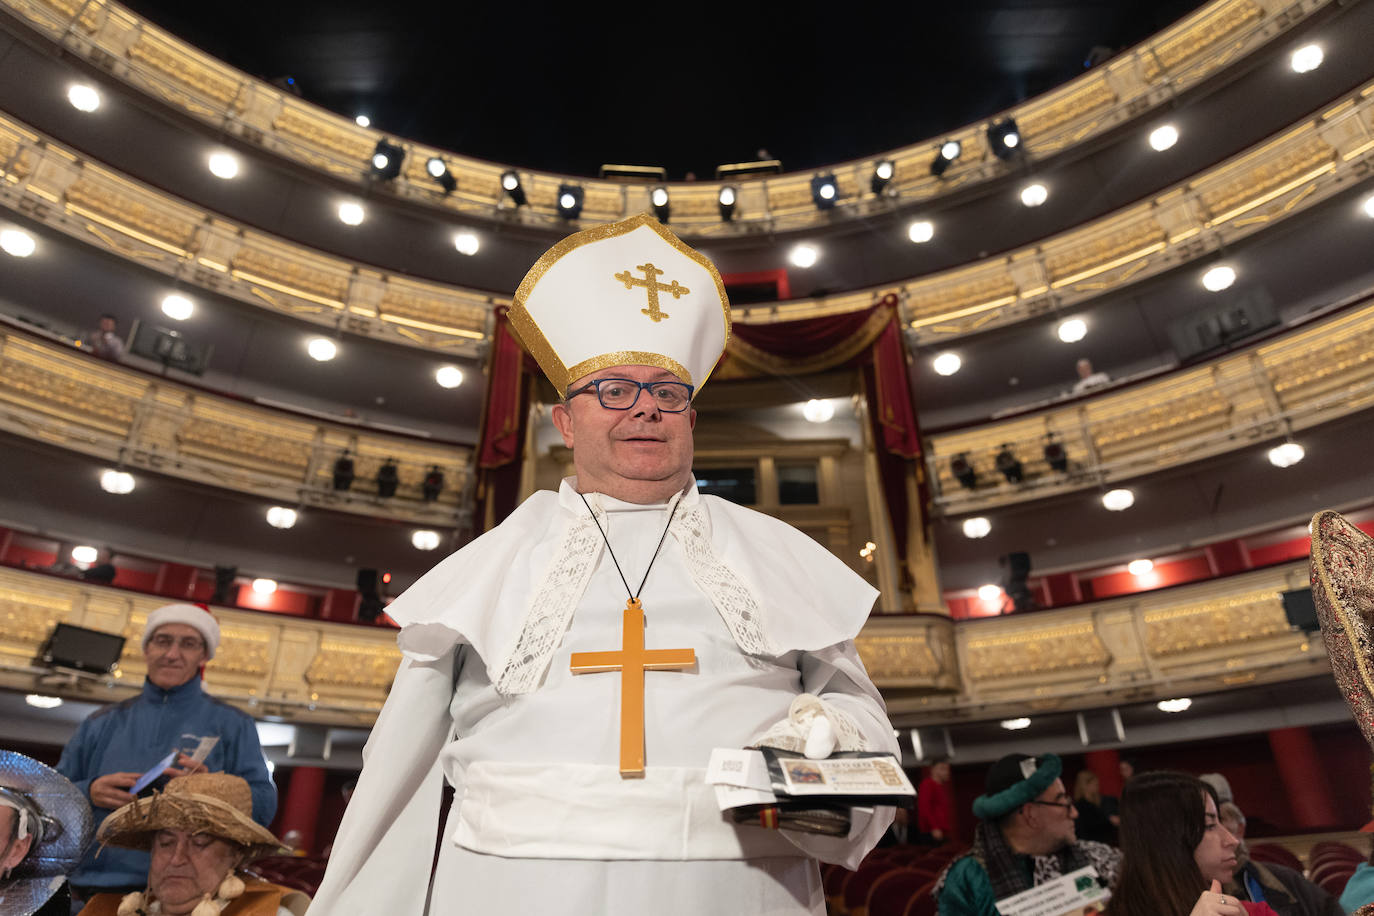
642 386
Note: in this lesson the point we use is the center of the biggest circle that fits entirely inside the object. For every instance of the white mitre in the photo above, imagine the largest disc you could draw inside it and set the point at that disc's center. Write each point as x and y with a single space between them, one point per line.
625 294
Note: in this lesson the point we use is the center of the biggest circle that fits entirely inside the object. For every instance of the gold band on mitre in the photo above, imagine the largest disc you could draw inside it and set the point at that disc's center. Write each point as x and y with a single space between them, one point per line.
627 293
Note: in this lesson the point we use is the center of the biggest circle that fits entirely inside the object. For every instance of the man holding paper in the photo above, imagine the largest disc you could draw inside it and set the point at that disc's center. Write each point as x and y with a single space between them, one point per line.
171 728
571 672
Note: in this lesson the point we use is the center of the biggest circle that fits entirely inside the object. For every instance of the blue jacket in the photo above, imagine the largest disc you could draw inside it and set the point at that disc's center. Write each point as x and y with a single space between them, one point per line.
134 735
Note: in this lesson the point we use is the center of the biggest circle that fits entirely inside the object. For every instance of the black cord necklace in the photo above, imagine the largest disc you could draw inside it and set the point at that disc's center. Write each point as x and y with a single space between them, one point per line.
634 595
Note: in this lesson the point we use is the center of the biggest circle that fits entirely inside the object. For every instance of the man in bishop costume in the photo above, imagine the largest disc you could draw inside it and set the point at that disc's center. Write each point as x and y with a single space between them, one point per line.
570 671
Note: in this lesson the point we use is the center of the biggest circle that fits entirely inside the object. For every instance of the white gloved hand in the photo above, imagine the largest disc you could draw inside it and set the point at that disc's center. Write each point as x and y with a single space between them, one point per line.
820 739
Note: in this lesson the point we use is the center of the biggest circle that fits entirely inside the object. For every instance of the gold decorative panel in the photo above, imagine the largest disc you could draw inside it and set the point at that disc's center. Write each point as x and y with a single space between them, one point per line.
1028 651
1221 622
353 664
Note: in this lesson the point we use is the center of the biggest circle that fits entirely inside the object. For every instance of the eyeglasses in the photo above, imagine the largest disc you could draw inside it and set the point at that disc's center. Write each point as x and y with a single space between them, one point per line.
1066 805
187 643
623 393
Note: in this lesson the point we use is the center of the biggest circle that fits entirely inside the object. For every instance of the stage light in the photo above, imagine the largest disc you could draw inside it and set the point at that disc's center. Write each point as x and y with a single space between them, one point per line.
1163 137
804 255
659 198
882 175
1181 704
1140 567
322 349
818 411
343 472
726 199
424 539
1073 330
921 231
977 527
83 97
510 183
824 191
351 213
448 376
1004 138
1015 725
467 243
363 121
570 198
223 164
17 243
41 701
281 517
433 484
386 160
1219 278
177 307
946 363
1033 195
1286 455
117 482
264 586
949 151
439 171
388 479
989 592
963 471
1304 59
1055 456
84 553
1009 465
866 553
1118 500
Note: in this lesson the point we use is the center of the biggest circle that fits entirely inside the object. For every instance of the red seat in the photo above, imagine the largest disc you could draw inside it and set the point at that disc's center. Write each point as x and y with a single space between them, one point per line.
856 888
891 893
1334 882
1328 869
1334 846
923 904
832 883
1275 854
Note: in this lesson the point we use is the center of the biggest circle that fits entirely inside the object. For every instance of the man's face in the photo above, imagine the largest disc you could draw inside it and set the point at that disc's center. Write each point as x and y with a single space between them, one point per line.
940 772
107 324
186 867
1054 817
11 853
640 455
174 655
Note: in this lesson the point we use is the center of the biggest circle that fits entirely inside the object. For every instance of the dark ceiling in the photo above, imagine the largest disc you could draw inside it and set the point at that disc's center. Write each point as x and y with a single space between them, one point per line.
554 87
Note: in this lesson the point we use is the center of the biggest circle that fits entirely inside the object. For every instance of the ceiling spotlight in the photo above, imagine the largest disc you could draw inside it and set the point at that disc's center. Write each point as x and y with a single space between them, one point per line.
117 482
1009 465
1055 455
1033 195
84 554
448 376
1163 137
42 701
824 191
1219 278
510 183
989 592
570 198
83 97
818 411
949 151
177 307
264 586
424 539
1304 60
977 527
726 199
19 244
1286 455
1368 208
351 213
281 517
882 175
1015 725
467 243
963 471
386 160
1118 500
363 121
438 170
322 349
1180 704
1004 138
921 231
804 255
659 198
1073 330
1140 567
223 164
946 363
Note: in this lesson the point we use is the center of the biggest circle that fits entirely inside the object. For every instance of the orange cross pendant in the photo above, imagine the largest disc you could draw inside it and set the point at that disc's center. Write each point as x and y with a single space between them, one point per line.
632 661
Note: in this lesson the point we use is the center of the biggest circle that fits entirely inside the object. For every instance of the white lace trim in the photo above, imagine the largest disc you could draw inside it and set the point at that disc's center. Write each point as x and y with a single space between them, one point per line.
790 734
730 596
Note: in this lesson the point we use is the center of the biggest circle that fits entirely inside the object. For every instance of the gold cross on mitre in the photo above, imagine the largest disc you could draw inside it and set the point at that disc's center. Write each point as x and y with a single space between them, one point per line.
650 283
632 661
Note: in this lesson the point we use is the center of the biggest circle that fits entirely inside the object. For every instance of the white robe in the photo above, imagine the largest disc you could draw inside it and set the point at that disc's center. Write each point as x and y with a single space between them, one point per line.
542 820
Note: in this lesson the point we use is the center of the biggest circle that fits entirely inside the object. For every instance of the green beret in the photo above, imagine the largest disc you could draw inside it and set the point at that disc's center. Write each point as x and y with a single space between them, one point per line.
1005 794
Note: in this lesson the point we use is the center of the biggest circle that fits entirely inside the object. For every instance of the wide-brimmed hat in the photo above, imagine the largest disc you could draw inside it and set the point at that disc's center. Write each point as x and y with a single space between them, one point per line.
1343 593
58 817
218 804
1013 781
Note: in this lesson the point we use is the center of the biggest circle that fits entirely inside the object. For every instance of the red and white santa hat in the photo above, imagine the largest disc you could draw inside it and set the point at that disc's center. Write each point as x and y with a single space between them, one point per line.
193 615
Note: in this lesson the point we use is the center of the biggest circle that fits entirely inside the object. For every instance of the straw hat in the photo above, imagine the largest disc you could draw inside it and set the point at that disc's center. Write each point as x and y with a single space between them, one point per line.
218 804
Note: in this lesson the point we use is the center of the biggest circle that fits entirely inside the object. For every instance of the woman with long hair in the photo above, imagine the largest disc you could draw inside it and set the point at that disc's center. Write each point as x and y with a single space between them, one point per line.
1093 823
1176 854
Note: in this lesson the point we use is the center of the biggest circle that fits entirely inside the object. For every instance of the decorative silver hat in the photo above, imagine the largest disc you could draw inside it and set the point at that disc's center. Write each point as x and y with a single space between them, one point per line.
58 817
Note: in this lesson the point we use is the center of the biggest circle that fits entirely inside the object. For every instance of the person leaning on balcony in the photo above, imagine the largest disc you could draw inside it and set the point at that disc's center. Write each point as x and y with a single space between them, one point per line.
118 743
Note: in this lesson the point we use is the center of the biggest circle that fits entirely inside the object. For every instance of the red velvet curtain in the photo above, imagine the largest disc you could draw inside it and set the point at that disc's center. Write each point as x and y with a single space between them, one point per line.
505 416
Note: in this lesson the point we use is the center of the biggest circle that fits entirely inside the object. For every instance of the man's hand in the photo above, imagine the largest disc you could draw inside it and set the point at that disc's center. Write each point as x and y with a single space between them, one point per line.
185 766
111 790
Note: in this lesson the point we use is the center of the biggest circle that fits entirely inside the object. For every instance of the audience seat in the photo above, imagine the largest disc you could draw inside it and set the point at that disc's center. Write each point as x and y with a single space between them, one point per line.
857 887
923 904
894 891
1276 855
1334 882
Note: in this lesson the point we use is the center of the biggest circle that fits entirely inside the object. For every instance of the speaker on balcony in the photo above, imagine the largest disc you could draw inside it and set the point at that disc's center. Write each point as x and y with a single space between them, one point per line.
224 585
1100 726
931 744
370 606
1300 611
